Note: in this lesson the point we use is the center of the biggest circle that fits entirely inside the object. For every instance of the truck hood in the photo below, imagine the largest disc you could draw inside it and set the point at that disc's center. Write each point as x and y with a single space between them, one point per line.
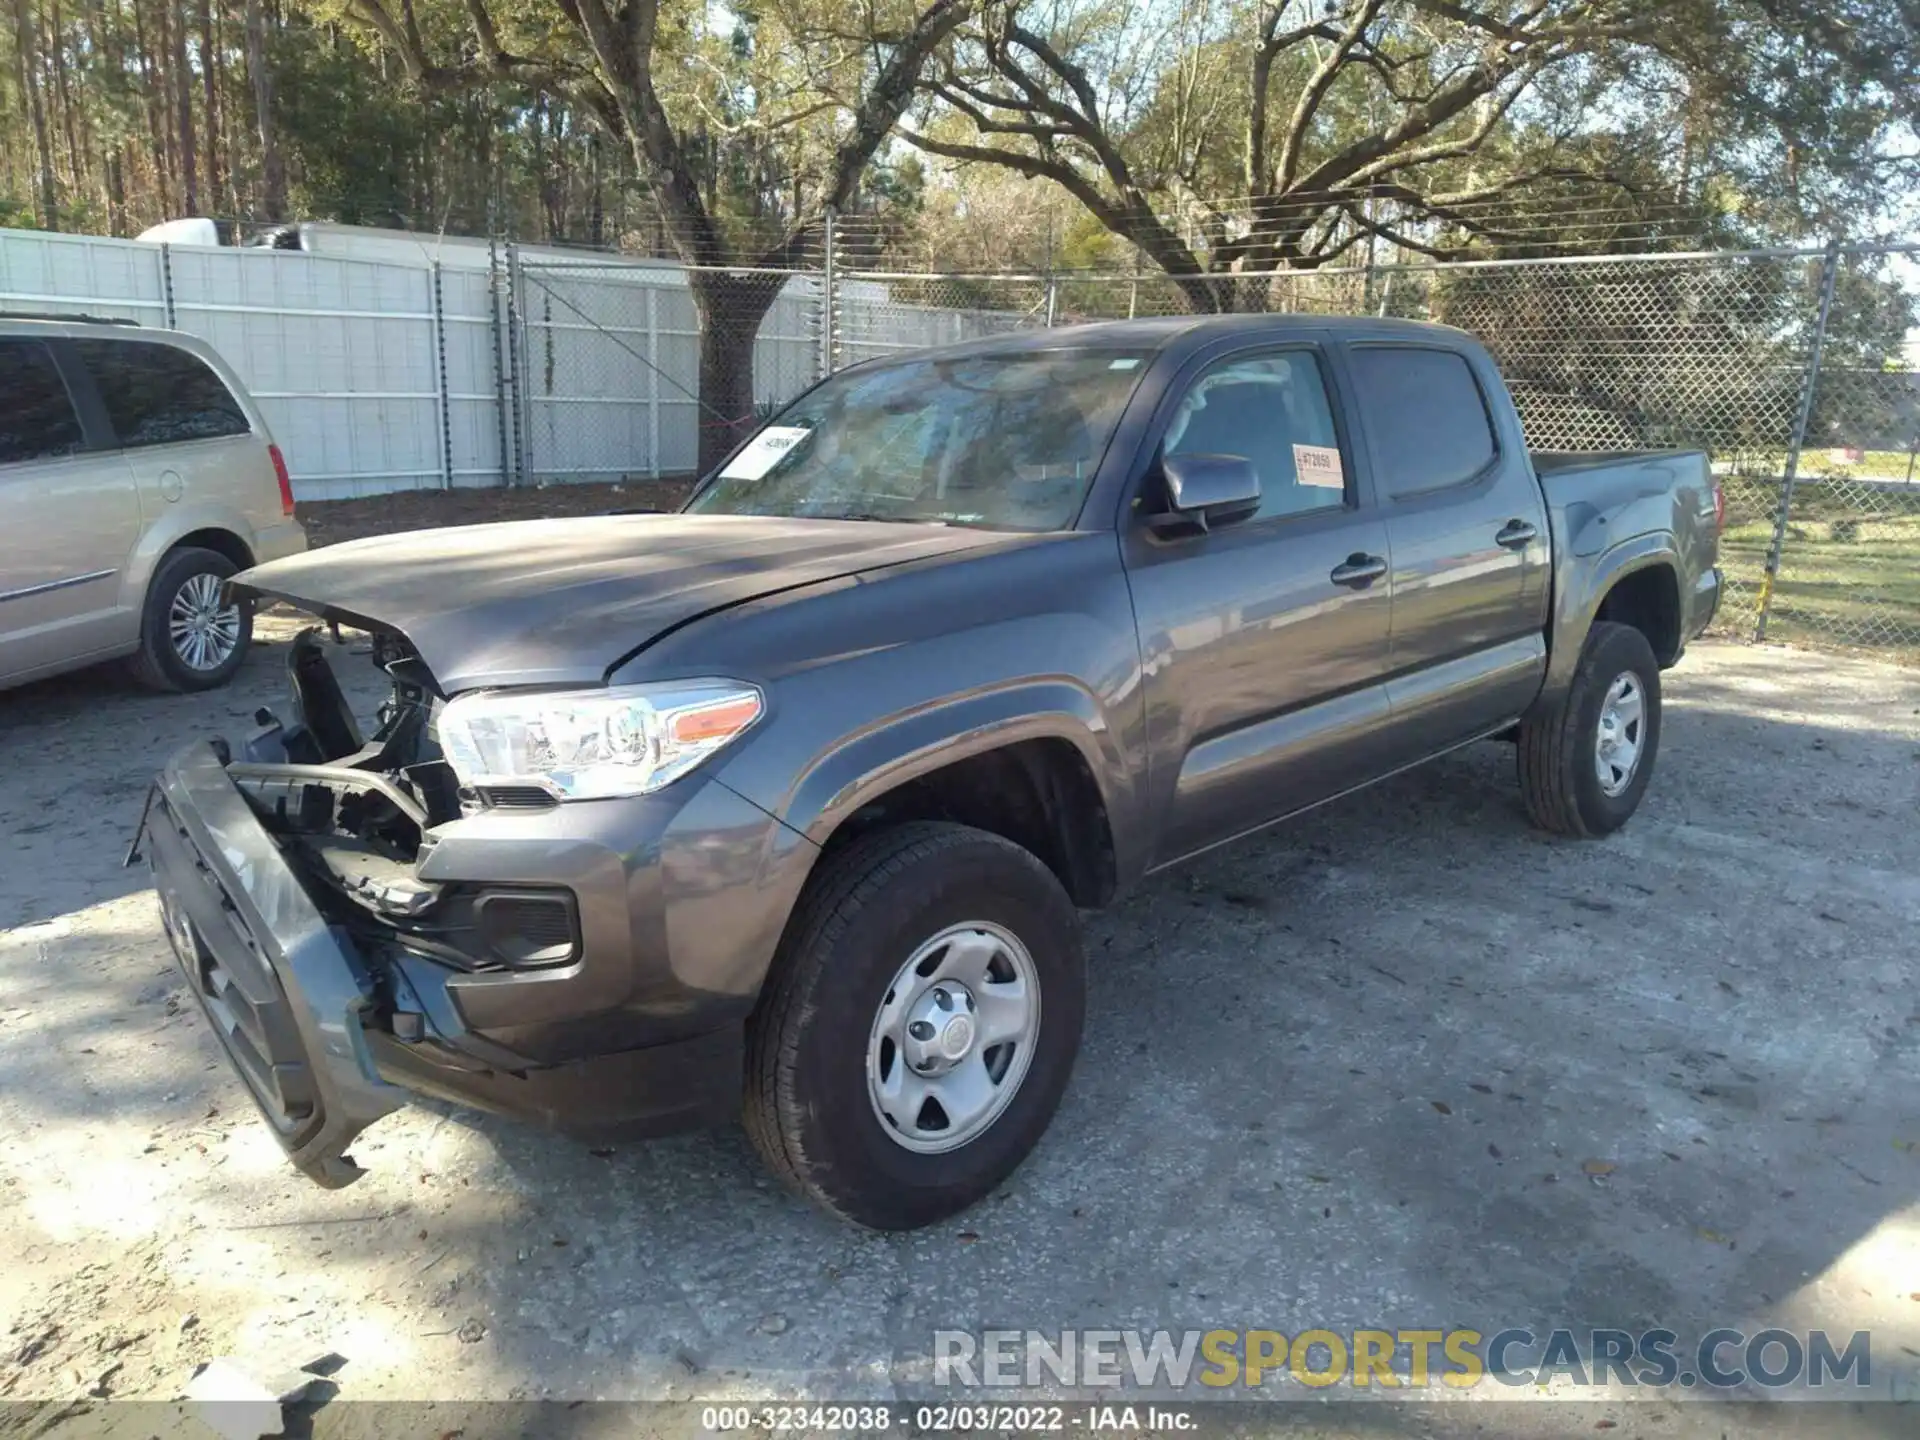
555 602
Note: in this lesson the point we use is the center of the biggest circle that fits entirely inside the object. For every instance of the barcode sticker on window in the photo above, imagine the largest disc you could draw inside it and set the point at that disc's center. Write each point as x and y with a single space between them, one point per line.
1319 466
766 450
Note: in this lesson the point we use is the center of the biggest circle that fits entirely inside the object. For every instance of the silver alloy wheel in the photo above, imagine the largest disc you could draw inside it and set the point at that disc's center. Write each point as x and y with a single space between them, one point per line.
204 633
1621 735
954 1037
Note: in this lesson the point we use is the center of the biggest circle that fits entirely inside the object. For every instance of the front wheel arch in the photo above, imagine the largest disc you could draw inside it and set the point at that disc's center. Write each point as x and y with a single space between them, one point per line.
1039 793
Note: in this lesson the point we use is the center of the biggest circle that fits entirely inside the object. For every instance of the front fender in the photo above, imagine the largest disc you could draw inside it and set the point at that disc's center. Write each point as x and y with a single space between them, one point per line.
1581 584
899 748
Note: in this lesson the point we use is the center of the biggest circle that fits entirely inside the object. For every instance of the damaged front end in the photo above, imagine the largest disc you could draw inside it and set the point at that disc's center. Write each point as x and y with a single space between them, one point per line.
356 816
290 883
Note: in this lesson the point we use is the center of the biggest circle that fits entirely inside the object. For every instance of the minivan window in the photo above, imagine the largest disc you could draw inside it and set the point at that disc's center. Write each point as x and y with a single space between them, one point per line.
1426 415
158 395
36 417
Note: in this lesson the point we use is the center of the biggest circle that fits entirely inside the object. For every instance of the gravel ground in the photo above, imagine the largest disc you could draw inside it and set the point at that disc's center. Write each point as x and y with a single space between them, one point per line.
1350 1074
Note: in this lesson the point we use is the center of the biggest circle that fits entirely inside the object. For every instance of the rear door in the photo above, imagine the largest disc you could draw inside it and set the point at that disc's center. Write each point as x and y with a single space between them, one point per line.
69 517
1264 643
1467 528
182 431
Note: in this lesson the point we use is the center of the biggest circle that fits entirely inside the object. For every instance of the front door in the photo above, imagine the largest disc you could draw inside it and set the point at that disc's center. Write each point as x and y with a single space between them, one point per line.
1264 643
69 517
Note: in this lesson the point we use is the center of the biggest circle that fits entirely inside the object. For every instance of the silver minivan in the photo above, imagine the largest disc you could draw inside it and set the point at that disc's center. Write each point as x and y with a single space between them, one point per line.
136 475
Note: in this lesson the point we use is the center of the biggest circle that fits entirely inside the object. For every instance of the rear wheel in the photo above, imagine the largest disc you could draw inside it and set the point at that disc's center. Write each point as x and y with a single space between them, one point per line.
192 635
1585 764
919 1027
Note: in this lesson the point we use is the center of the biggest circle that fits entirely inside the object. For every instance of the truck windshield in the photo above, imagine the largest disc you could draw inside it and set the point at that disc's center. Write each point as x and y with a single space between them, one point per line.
1005 441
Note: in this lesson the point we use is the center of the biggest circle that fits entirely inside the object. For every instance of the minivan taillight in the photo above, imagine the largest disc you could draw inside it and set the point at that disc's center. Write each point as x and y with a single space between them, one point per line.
1719 507
286 480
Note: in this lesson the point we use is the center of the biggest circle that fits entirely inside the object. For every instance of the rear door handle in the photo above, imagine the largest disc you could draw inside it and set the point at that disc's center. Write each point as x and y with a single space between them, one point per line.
1515 535
1359 571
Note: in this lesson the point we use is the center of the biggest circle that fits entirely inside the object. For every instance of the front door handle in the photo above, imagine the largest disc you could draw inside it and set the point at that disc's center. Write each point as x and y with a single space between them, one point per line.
1358 571
1515 535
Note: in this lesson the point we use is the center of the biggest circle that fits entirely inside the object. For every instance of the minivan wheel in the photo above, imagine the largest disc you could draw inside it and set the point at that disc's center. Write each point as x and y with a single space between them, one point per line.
919 1026
1585 764
192 635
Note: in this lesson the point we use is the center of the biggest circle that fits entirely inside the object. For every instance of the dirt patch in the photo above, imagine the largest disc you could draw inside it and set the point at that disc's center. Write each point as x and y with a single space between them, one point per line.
330 522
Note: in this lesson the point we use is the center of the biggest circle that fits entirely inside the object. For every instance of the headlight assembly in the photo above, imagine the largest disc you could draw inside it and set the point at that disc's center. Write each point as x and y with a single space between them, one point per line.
593 744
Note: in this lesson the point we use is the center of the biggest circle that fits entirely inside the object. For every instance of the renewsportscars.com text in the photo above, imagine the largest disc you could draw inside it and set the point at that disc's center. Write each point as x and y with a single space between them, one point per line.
1457 1359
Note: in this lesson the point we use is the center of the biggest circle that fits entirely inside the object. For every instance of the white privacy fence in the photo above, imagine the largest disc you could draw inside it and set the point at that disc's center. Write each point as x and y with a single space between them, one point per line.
383 375
373 376
608 366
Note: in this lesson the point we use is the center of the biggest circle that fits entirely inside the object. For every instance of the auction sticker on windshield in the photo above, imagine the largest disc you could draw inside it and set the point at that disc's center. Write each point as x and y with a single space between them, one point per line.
765 451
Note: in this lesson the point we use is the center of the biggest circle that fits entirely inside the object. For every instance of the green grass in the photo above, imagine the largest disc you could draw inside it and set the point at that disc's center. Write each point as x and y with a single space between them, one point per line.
1849 573
1817 460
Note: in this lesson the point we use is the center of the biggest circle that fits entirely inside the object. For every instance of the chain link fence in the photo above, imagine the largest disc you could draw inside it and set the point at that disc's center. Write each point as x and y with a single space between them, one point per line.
1789 366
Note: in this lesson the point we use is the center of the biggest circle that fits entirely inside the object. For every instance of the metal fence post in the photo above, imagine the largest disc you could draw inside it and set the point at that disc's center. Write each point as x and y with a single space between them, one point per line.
440 377
516 323
1830 267
166 283
829 292
499 353
1053 298
653 382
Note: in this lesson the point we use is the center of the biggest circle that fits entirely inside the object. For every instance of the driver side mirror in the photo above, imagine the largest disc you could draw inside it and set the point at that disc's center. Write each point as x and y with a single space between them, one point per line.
1207 491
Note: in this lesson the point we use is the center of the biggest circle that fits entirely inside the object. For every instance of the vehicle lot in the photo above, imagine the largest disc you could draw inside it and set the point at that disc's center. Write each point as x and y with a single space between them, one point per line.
1350 1074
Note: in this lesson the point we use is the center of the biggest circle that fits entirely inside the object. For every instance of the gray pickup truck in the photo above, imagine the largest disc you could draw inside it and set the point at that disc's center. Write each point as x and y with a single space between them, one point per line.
787 803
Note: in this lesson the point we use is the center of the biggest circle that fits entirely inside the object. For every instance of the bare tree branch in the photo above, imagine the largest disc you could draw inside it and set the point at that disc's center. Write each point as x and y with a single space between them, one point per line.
1316 89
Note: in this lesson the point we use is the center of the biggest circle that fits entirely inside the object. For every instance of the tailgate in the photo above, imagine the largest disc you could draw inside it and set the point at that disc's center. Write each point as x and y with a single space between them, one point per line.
283 989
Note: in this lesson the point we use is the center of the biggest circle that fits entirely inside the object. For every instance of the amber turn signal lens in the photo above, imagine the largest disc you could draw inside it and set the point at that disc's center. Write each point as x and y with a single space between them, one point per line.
714 722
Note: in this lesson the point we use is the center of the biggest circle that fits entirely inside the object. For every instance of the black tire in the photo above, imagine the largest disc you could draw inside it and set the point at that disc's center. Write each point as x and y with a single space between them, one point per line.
862 917
159 665
1559 774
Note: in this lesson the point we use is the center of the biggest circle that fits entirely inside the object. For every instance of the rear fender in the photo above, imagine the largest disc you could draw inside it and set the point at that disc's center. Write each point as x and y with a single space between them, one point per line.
1582 582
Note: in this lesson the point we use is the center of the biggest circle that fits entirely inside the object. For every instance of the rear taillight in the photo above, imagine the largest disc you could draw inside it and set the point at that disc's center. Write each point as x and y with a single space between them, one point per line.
1719 507
286 480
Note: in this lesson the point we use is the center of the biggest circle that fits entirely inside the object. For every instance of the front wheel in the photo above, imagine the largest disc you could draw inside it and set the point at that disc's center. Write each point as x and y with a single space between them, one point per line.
919 1026
1585 763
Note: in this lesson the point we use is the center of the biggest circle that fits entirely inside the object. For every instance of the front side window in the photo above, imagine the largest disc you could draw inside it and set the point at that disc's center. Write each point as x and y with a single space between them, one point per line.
1005 442
158 395
36 417
1426 416
1273 411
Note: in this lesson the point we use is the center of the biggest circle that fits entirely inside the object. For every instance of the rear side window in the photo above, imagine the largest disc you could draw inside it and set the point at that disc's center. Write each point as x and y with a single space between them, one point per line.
36 417
157 395
1426 415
